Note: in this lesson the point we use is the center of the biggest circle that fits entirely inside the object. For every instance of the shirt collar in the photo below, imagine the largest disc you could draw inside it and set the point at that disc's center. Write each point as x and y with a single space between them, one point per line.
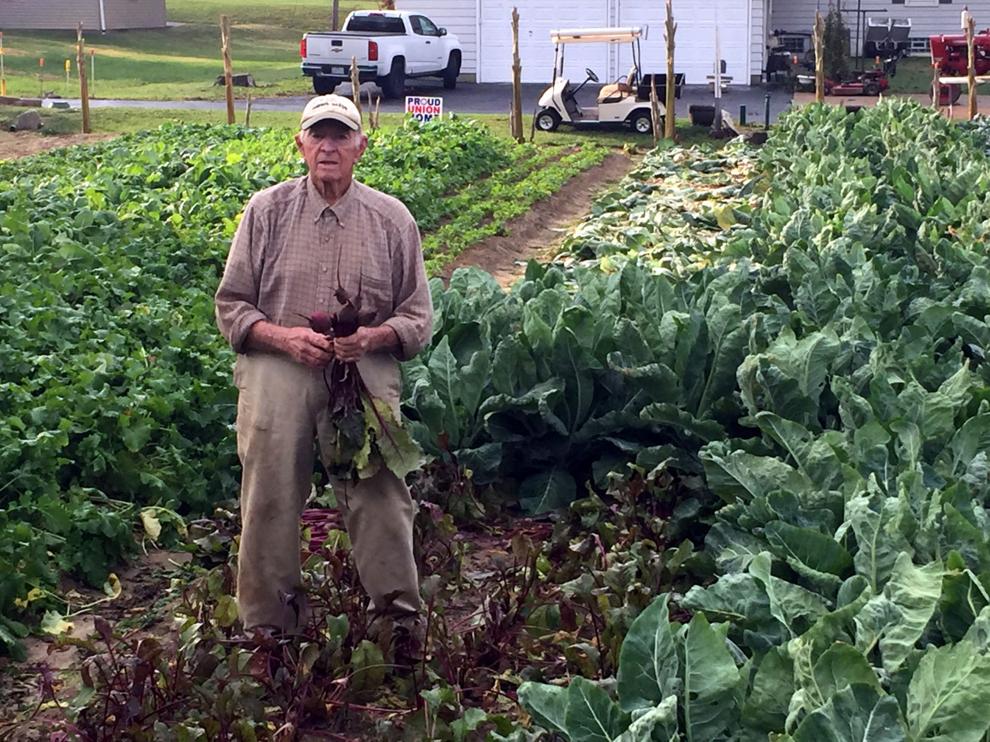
316 205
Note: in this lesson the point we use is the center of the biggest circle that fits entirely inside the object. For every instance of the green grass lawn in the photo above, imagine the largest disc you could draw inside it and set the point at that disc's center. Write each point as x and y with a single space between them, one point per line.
180 61
914 75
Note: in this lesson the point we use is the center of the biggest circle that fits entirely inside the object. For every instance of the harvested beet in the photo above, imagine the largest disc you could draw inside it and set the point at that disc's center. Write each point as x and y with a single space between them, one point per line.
367 433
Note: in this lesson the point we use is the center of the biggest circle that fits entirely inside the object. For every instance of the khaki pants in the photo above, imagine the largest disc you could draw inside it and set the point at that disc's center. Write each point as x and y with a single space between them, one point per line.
281 411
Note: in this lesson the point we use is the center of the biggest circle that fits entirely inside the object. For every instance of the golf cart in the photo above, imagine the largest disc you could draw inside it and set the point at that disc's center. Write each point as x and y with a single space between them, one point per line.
626 101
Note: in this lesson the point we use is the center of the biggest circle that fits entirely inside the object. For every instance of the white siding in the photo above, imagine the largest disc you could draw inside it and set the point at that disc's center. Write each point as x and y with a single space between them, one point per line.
926 20
742 33
459 18
536 52
758 38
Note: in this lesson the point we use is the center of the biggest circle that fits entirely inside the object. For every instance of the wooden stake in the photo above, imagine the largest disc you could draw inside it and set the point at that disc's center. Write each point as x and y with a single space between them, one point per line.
335 16
83 83
971 46
655 111
374 112
3 72
228 71
936 86
247 113
670 125
516 118
356 86
819 58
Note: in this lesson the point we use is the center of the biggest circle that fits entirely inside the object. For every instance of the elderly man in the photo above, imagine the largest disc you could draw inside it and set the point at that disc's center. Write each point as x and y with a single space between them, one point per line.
296 244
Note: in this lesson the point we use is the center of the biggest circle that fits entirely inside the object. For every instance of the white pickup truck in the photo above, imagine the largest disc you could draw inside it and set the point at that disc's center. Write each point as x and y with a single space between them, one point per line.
389 46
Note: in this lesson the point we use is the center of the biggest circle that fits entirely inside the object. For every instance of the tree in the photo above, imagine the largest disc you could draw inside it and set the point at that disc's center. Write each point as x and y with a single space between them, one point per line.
836 44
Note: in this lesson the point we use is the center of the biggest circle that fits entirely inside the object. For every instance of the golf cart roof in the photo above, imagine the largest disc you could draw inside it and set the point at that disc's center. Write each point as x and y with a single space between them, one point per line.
597 35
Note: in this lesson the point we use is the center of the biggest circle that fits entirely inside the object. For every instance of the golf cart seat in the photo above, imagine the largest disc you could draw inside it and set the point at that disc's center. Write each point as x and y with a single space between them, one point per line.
618 90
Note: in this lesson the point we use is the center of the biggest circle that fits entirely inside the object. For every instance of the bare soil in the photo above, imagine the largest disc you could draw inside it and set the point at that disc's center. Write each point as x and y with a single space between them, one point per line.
538 233
23 143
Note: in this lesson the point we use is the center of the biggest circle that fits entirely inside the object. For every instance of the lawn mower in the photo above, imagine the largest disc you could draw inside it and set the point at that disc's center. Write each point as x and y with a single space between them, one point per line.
870 83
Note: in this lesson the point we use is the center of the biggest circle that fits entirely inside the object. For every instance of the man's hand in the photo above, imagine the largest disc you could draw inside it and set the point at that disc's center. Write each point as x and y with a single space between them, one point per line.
365 340
307 347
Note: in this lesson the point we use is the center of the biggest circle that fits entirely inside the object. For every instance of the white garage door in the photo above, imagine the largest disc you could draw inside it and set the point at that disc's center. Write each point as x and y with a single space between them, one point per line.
695 39
536 20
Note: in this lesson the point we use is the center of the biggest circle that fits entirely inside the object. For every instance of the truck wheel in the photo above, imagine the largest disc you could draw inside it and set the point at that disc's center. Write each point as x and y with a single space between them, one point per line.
641 122
394 83
452 71
324 85
547 120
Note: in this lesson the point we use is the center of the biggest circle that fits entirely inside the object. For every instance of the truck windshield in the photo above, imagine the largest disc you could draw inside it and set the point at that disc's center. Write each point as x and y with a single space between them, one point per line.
375 24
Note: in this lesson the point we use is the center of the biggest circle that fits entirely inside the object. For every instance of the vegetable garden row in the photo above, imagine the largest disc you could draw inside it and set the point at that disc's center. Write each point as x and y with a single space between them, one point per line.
749 410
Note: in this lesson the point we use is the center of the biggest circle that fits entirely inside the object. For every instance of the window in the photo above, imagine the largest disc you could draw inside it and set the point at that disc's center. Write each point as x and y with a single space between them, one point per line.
375 24
428 28
423 26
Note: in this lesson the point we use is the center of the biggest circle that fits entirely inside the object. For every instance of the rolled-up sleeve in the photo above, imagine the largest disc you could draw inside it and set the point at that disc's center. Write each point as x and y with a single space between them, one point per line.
412 319
237 296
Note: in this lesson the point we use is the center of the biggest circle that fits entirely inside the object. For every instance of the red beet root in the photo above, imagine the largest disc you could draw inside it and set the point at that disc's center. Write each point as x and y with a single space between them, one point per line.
321 322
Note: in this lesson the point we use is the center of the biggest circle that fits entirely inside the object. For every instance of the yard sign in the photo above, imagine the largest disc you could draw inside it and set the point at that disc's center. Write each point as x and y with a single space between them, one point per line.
424 108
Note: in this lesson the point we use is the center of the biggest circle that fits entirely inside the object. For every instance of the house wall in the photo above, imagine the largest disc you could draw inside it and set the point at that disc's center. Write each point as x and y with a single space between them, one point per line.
490 18
134 13
67 14
49 14
928 17
459 17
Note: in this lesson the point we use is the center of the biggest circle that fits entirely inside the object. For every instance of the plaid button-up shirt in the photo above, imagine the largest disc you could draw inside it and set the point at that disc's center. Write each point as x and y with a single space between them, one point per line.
292 251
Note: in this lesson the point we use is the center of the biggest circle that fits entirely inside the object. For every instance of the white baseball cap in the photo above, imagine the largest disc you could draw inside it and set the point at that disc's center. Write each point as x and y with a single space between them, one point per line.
334 107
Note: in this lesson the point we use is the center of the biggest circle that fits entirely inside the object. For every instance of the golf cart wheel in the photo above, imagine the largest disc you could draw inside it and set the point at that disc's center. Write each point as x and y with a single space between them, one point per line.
547 120
641 123
871 88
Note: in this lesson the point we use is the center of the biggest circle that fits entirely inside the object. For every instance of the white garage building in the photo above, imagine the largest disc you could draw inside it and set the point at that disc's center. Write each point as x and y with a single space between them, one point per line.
484 29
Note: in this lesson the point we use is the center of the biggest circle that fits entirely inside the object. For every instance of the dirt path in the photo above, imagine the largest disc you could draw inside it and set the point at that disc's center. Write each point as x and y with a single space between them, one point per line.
23 143
538 233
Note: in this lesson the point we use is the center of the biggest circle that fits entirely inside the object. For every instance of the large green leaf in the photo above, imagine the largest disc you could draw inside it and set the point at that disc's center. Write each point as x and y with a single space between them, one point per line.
740 475
591 715
879 524
857 713
444 373
658 724
547 704
710 680
949 694
898 618
766 706
648 666
547 491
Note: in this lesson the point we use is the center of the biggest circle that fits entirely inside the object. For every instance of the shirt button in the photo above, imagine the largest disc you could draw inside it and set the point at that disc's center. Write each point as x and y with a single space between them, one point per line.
323 268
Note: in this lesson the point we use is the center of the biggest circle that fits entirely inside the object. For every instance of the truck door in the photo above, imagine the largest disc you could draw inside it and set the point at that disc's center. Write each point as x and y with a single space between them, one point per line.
427 41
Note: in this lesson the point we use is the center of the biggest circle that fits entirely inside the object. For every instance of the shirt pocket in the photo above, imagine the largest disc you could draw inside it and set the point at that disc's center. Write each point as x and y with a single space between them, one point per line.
376 293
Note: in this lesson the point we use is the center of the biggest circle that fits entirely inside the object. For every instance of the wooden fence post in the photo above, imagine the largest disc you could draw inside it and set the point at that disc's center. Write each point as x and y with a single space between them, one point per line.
971 45
670 103
819 58
335 16
356 88
516 123
83 83
228 72
655 111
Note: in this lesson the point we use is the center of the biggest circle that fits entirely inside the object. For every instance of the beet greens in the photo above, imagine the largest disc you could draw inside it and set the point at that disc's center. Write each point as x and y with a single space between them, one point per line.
367 433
